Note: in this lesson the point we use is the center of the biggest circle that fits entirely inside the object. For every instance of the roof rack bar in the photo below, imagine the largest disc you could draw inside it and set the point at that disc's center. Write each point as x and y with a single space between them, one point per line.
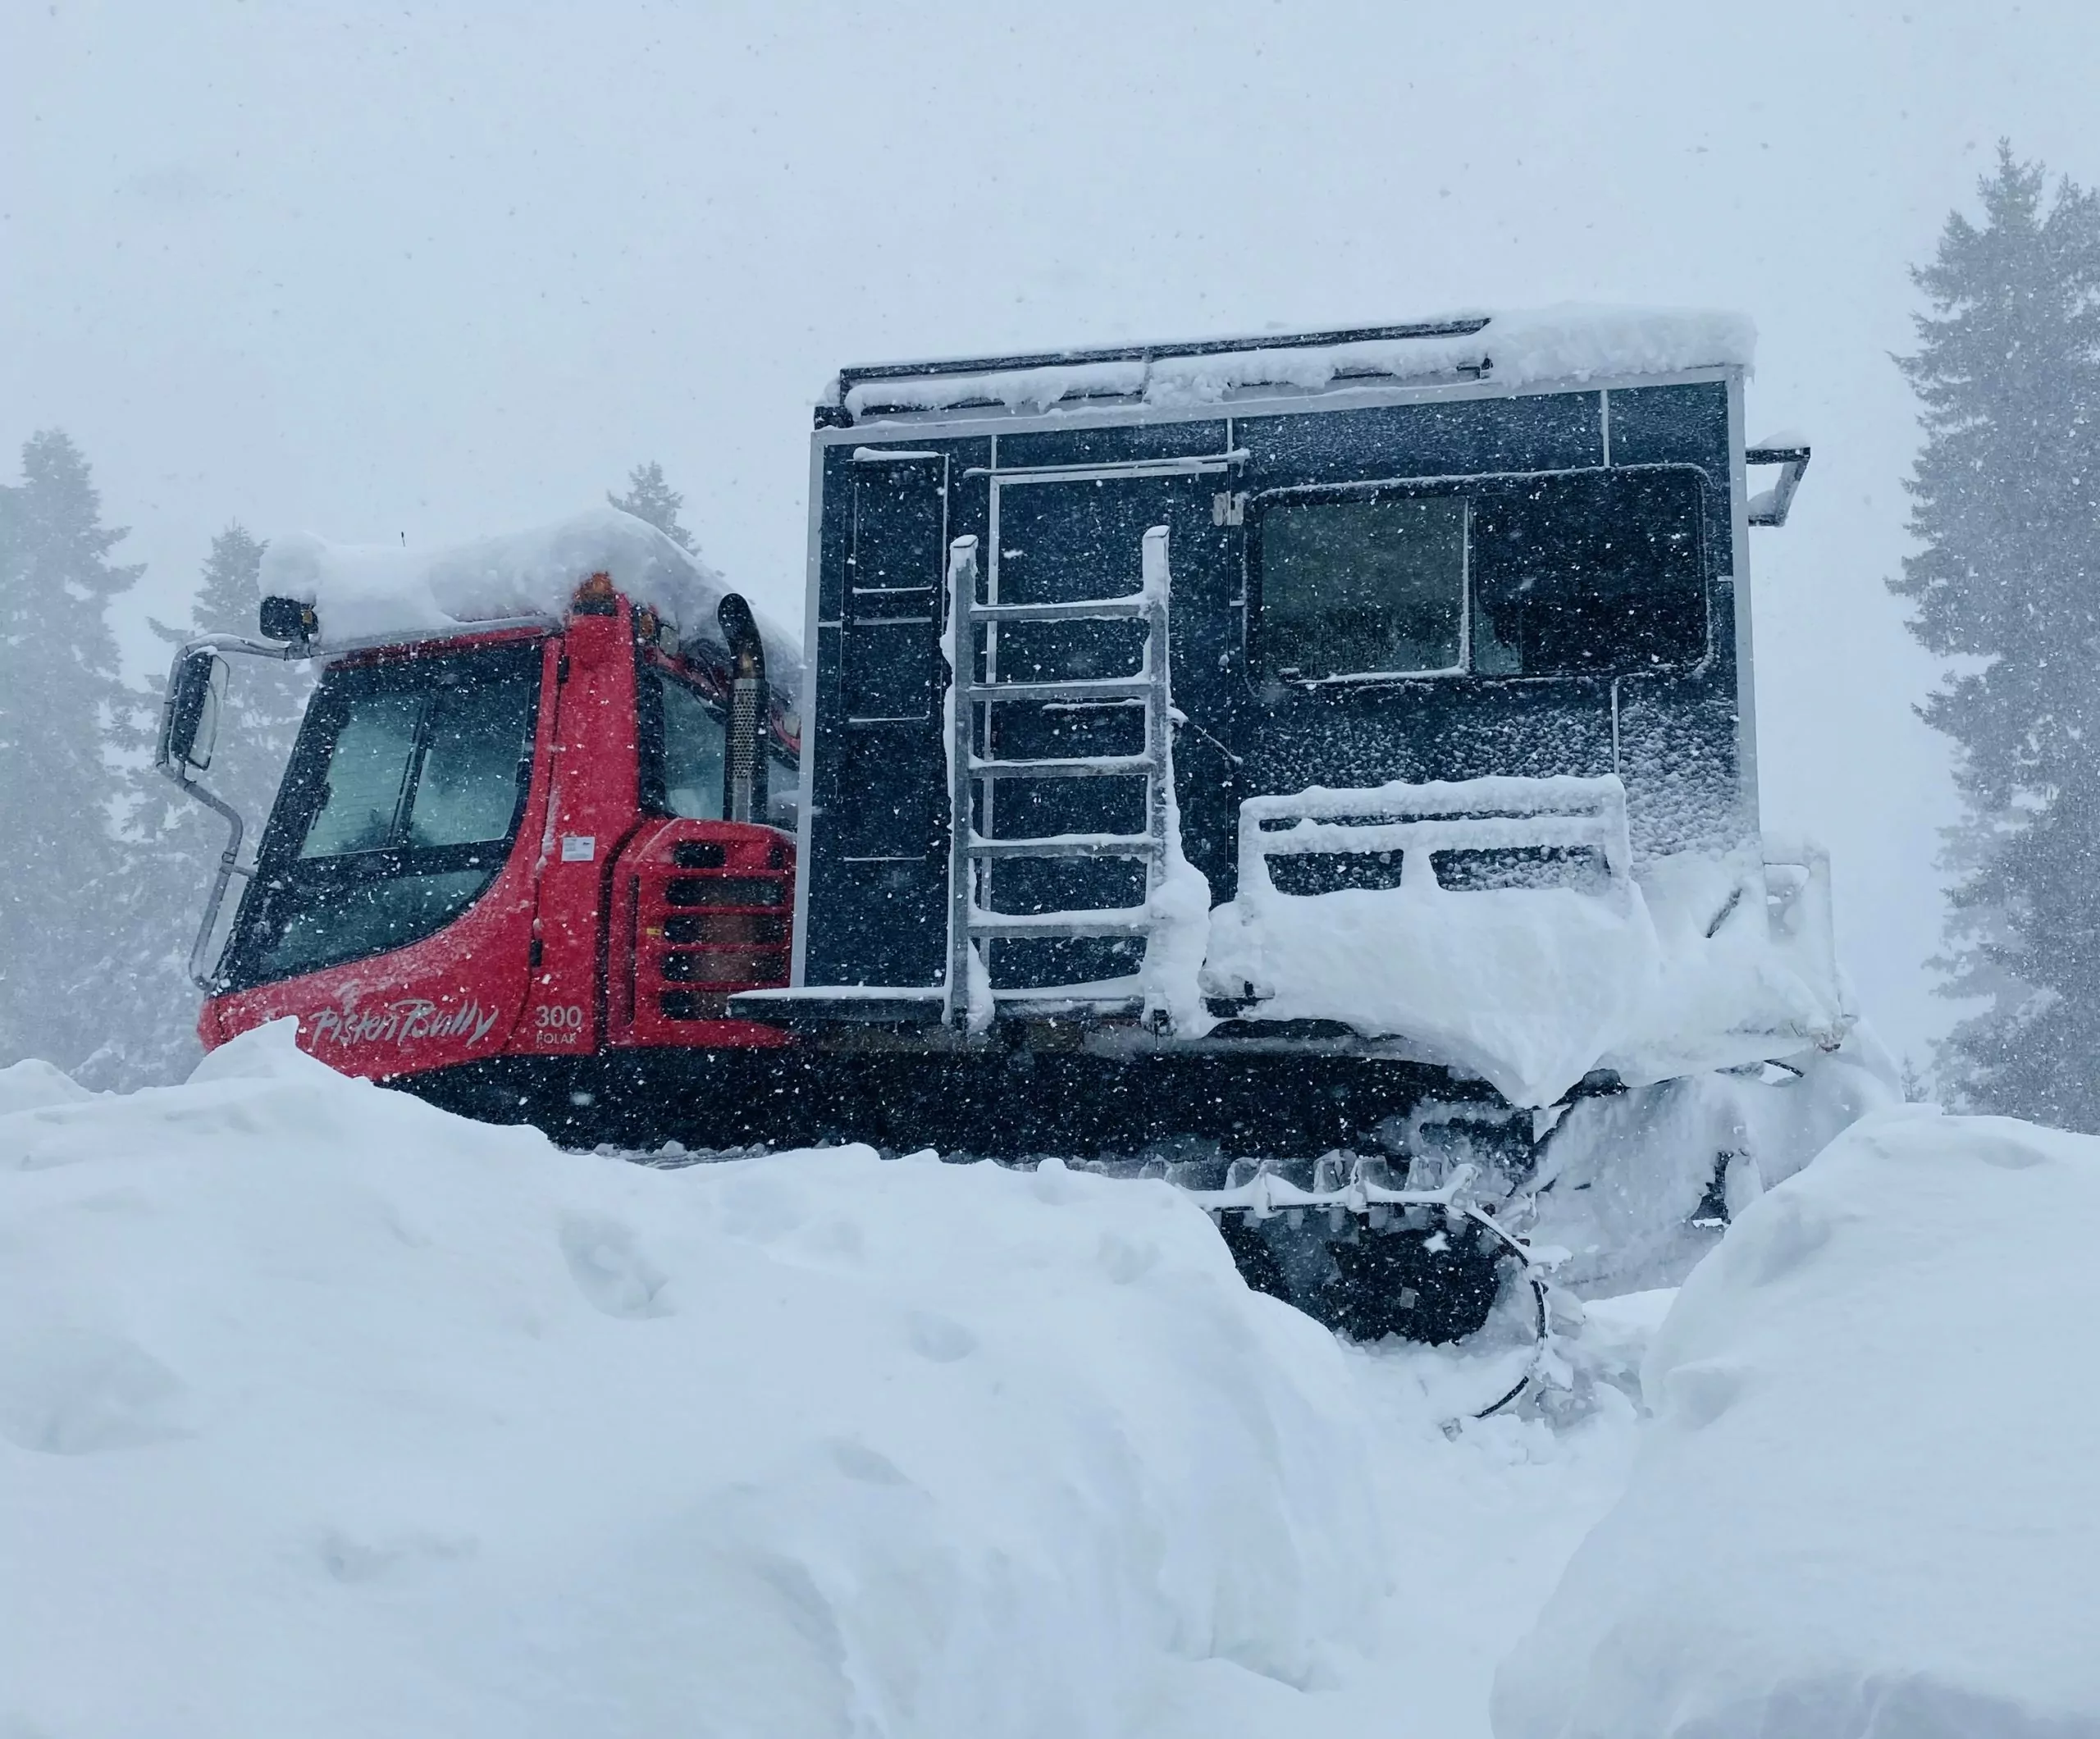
1464 327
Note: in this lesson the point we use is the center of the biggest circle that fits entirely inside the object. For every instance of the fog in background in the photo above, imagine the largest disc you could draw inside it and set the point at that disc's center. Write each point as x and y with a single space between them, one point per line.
441 270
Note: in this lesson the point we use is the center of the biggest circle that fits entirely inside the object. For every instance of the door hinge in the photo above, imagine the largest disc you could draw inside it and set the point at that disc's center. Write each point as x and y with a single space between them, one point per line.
561 670
1229 507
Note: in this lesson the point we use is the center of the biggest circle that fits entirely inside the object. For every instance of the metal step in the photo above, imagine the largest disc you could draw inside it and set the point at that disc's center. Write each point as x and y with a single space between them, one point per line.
1116 996
1076 767
1127 920
1084 609
1078 689
1067 845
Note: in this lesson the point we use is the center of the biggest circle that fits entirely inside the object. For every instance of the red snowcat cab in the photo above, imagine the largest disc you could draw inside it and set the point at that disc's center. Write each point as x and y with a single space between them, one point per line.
508 859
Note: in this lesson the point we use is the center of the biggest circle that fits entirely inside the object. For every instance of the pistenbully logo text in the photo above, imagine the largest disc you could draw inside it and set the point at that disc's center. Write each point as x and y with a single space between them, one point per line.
403 1023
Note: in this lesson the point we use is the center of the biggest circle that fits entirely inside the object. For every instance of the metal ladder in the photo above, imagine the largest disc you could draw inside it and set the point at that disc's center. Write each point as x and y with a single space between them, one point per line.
972 776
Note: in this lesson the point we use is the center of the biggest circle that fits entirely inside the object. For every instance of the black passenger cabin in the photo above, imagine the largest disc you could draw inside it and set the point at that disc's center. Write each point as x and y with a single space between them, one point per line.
1176 578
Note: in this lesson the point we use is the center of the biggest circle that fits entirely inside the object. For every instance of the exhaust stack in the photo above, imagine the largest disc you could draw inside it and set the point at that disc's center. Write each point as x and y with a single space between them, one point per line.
743 788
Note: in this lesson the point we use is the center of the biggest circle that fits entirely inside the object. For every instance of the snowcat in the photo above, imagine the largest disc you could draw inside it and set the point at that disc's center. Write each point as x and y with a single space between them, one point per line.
537 822
1316 770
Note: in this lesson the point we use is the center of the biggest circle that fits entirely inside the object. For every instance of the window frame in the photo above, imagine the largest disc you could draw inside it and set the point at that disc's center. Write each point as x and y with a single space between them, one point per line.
652 660
651 786
280 866
1469 486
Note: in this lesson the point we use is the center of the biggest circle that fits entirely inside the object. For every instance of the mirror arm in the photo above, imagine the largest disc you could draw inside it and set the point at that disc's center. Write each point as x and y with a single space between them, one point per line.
178 772
229 868
285 650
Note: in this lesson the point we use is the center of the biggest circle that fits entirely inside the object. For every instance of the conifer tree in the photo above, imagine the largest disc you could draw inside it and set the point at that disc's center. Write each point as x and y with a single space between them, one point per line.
66 978
648 497
2006 503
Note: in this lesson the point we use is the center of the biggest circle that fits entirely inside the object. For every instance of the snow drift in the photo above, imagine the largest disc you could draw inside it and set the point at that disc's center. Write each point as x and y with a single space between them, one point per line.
1865 1506
323 1411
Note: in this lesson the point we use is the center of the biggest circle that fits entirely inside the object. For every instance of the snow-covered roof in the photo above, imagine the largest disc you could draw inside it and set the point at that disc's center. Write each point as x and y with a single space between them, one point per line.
1570 342
372 591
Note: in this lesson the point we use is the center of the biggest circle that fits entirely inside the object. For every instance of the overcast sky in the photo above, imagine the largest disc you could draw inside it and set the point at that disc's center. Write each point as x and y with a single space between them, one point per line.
446 270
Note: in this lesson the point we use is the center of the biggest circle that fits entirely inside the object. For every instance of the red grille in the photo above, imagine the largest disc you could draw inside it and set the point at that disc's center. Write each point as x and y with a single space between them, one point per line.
710 904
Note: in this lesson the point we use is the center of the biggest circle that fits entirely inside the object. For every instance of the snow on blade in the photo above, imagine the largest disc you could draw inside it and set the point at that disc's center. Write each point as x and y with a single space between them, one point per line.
1864 1505
323 1411
363 592
1686 963
1571 342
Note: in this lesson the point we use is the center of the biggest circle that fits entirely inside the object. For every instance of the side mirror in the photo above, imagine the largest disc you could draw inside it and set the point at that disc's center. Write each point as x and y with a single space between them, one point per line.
287 619
190 717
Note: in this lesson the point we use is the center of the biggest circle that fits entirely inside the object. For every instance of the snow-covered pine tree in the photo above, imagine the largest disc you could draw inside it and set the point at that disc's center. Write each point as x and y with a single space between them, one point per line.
66 975
2005 502
648 497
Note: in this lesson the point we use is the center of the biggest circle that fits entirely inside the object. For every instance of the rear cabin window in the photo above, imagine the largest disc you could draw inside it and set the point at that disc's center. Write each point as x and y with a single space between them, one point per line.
399 805
1368 585
1581 574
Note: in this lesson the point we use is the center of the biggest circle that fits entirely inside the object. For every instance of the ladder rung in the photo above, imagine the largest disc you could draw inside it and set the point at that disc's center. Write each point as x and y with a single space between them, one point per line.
1086 688
1075 767
1068 845
1129 920
1079 610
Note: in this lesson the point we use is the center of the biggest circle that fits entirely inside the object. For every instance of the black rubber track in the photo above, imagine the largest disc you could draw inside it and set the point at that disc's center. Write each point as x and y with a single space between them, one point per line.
1000 1104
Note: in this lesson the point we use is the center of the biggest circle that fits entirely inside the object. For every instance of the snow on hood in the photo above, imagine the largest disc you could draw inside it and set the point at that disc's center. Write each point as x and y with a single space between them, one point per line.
1864 1505
363 591
1571 342
323 1410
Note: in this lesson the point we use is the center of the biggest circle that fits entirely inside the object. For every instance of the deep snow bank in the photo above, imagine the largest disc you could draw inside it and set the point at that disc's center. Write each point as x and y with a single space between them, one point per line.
1866 1504
322 1412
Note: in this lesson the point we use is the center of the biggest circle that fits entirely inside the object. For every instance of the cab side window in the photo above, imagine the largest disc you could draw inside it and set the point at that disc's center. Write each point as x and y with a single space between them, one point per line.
683 736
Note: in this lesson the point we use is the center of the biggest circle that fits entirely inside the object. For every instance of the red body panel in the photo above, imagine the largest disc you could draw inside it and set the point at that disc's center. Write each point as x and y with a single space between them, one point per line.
546 962
593 805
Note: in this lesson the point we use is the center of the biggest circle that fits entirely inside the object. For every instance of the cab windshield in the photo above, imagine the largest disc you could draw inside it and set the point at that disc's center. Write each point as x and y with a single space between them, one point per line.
400 804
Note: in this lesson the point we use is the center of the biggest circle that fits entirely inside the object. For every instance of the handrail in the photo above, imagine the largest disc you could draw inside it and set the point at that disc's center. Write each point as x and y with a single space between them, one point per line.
1419 820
